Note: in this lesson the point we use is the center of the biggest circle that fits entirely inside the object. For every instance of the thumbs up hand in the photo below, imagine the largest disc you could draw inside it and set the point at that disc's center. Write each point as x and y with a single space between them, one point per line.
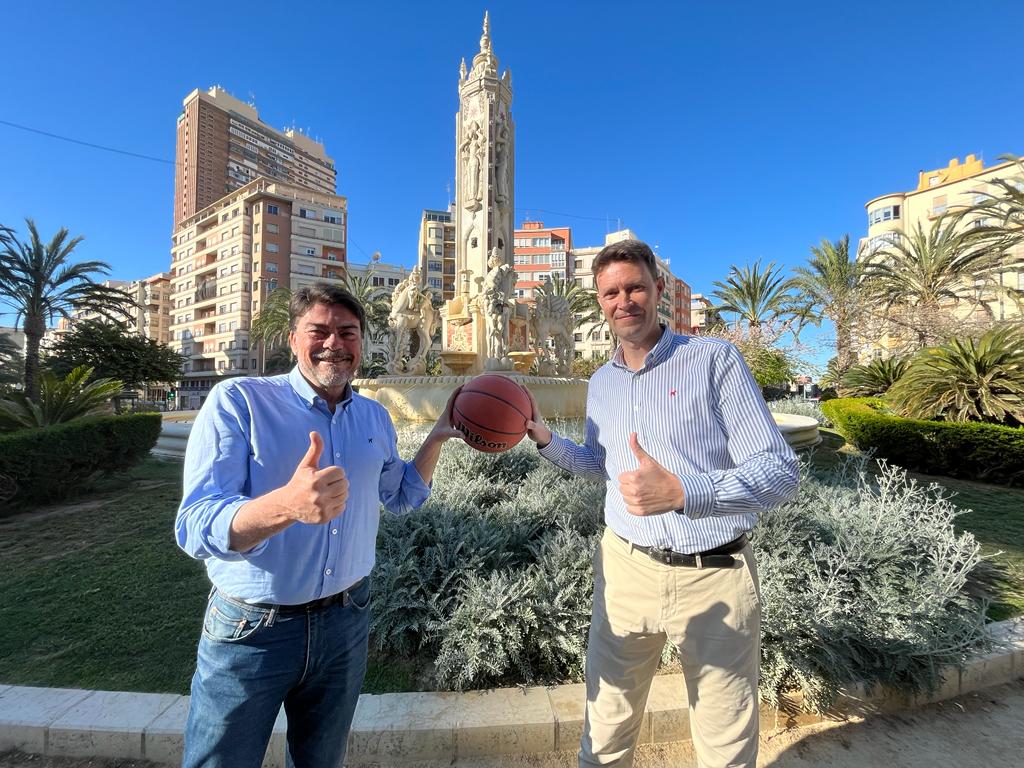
650 489
316 495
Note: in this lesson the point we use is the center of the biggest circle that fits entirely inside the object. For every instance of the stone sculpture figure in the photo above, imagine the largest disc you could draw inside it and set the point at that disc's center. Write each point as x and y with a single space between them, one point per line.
411 313
499 299
501 146
472 153
552 319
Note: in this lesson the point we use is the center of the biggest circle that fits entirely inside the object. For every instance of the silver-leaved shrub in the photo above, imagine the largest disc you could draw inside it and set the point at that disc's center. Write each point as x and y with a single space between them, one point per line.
863 577
798 406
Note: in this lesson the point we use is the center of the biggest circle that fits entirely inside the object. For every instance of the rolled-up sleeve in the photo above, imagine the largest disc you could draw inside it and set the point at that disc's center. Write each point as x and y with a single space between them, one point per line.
216 478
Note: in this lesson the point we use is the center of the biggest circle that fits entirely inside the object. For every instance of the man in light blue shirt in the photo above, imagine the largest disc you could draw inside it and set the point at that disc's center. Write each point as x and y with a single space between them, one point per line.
284 477
679 433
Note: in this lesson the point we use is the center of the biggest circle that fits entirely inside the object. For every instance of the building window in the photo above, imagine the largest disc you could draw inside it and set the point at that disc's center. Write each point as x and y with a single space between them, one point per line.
433 266
270 266
307 213
310 251
272 209
434 282
272 247
272 229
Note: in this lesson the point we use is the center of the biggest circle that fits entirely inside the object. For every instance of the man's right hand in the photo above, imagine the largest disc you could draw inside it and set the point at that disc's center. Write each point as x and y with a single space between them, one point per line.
536 429
316 495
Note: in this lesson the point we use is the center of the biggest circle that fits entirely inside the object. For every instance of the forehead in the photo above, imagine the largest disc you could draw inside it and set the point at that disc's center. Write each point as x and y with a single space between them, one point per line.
623 272
333 315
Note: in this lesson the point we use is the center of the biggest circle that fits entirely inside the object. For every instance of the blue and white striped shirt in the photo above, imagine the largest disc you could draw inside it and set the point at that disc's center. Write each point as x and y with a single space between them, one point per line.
698 412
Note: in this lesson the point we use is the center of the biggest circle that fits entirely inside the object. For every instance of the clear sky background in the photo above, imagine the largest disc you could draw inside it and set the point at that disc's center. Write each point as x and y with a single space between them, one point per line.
721 132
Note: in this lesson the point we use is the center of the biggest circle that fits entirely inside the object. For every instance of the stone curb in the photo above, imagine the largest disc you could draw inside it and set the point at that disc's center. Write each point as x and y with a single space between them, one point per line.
403 727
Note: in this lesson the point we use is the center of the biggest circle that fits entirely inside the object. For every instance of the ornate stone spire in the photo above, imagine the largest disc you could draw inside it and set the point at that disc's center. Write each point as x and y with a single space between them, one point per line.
485 62
462 70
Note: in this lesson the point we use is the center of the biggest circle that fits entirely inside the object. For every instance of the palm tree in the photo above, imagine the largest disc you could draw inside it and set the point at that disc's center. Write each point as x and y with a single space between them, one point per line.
829 284
874 378
40 283
759 297
72 397
271 324
917 278
997 220
967 380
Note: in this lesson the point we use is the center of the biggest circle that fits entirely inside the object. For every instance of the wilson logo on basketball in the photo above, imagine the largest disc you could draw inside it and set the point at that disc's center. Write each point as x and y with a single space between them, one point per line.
491 412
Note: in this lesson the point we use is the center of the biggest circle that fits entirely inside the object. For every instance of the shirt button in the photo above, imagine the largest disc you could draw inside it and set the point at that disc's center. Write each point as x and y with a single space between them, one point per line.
334 531
337 455
327 572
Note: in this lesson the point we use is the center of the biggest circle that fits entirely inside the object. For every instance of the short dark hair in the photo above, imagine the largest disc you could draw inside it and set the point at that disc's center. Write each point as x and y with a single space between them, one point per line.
324 293
636 251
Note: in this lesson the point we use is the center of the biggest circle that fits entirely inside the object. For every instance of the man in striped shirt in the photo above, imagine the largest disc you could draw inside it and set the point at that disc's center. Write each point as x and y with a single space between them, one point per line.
680 434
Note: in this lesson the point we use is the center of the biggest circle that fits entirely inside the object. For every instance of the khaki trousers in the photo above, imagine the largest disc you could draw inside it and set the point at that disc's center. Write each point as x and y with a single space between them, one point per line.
712 615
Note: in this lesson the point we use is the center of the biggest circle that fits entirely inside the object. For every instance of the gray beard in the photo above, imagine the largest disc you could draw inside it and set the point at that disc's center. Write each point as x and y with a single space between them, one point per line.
329 378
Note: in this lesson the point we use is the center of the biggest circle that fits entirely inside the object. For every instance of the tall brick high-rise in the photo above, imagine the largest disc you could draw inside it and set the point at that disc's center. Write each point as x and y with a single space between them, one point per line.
223 145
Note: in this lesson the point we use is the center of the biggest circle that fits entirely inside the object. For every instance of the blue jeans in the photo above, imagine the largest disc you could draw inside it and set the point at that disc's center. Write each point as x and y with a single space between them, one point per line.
250 663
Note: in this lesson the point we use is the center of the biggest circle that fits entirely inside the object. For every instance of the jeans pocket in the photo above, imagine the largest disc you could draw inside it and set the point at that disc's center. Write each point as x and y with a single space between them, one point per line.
231 621
360 599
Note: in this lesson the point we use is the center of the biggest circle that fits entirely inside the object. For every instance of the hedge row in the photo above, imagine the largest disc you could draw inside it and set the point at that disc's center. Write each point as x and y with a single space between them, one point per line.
47 464
970 450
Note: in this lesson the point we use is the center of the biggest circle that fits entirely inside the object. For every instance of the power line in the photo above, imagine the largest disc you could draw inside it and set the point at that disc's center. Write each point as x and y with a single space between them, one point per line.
569 215
87 143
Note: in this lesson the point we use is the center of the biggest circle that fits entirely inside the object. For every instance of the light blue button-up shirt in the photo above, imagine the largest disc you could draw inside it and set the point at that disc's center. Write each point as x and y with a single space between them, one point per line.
246 441
699 413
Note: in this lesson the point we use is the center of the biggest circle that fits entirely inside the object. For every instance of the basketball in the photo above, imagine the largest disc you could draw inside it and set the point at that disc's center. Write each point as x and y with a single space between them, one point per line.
491 412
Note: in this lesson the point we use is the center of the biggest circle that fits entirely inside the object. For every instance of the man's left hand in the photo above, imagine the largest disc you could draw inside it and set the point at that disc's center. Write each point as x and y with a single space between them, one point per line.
650 489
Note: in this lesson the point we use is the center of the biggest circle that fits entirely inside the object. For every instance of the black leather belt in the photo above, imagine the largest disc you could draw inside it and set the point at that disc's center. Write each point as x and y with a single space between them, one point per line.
719 557
342 598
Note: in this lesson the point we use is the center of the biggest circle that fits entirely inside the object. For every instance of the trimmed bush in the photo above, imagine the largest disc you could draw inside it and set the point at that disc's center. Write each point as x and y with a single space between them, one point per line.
974 451
47 464
490 582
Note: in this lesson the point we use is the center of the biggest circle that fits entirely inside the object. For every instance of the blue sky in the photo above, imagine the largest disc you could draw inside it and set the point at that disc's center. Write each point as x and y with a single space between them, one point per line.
721 132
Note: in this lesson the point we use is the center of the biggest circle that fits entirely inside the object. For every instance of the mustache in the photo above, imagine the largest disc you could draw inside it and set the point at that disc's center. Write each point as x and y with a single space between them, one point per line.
331 357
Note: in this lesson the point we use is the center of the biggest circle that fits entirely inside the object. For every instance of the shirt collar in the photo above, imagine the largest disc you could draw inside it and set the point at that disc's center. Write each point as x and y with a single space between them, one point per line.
308 395
659 352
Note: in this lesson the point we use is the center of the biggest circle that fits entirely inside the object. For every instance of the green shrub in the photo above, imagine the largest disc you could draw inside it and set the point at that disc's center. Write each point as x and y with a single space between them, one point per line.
975 451
48 464
873 378
490 582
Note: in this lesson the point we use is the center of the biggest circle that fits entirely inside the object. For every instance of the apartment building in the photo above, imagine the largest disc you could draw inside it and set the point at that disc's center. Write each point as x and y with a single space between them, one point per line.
437 251
939 192
228 257
222 145
541 255
700 309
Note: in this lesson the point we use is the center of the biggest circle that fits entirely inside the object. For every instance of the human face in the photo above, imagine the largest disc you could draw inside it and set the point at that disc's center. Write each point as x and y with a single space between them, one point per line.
328 344
628 296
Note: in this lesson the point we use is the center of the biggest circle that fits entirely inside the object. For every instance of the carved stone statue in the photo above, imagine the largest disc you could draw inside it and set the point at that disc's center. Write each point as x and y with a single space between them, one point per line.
411 313
472 153
552 319
501 147
498 301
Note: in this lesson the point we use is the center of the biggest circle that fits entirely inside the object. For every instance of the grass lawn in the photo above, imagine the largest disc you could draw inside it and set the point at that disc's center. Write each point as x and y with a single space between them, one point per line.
97 595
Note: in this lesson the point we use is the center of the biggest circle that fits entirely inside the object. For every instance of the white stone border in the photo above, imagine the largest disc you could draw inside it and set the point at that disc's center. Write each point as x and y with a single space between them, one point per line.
403 727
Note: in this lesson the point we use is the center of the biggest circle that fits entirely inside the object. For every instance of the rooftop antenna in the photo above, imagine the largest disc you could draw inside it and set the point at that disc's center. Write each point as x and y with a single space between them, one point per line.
252 99
448 191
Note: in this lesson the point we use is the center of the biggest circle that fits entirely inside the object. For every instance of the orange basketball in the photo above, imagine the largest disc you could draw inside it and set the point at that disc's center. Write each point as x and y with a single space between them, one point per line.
491 412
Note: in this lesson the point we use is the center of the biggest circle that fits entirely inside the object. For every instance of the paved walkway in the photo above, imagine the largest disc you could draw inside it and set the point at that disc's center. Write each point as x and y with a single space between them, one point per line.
977 730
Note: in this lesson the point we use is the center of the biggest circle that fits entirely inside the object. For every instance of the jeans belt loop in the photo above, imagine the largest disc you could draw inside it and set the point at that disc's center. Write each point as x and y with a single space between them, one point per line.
700 563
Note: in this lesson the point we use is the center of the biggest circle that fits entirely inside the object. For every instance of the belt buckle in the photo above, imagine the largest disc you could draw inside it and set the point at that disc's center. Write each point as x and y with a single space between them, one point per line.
664 555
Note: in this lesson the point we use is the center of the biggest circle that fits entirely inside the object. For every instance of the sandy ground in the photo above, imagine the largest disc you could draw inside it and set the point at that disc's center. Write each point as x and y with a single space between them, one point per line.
980 730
